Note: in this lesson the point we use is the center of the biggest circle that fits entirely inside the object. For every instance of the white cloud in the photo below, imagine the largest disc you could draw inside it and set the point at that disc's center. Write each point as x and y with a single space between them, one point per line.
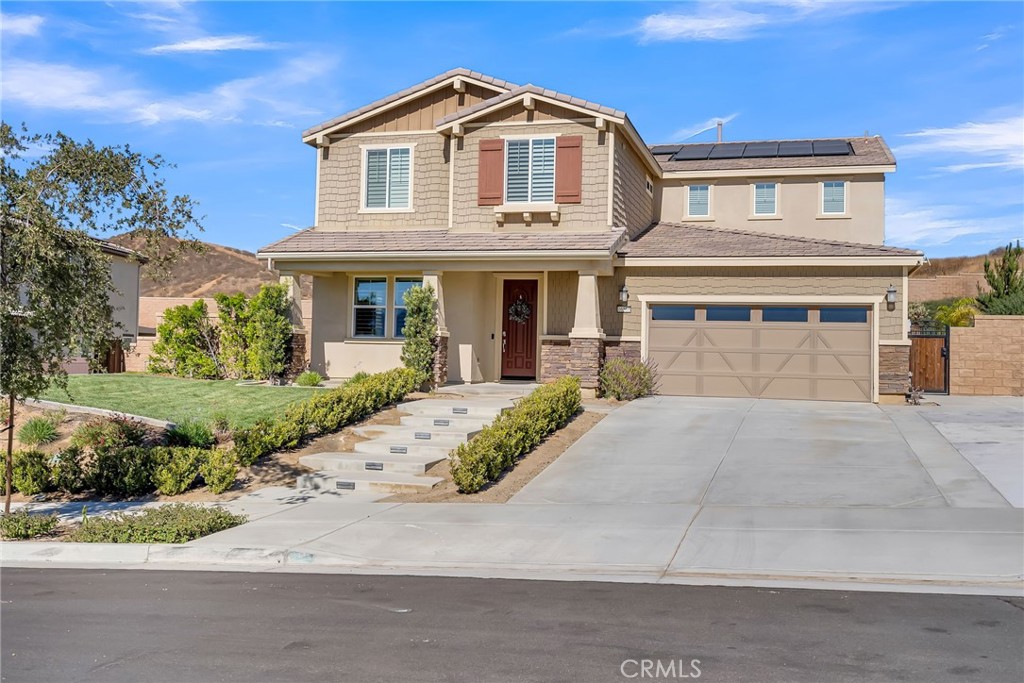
688 132
995 144
213 44
908 223
291 226
20 24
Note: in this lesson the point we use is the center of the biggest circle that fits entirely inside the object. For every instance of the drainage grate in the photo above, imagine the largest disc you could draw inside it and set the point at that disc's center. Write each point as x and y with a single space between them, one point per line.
441 423
399 450
345 485
375 466
423 436
460 411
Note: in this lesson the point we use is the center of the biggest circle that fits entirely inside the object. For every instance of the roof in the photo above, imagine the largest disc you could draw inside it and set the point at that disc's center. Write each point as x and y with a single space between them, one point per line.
117 250
529 89
356 243
411 90
866 151
682 240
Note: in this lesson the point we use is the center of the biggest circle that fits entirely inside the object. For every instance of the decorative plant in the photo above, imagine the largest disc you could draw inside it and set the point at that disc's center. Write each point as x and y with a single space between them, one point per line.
959 313
268 332
420 331
187 344
233 316
917 312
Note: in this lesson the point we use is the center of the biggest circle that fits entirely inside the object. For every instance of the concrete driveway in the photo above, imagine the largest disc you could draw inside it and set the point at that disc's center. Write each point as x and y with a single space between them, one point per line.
745 452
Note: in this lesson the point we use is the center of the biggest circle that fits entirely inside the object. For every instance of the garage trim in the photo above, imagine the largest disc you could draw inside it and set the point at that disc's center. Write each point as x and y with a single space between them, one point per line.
756 300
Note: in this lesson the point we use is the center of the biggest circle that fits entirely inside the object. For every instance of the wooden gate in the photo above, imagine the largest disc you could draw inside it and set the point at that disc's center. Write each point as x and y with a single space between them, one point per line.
929 357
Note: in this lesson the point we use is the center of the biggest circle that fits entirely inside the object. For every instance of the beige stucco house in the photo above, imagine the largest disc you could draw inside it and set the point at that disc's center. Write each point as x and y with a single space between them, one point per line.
556 238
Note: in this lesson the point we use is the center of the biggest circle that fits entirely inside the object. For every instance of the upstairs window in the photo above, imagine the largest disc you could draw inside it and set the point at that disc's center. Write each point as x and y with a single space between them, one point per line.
765 203
388 178
530 171
698 201
833 197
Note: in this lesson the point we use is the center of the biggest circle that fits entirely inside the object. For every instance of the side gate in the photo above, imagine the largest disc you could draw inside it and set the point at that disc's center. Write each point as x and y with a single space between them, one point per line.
929 356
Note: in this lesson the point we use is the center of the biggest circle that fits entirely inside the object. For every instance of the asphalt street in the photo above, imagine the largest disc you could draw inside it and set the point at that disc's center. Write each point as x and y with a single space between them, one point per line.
79 625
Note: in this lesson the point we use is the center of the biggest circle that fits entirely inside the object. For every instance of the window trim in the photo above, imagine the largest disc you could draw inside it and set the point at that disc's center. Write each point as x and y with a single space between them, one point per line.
389 306
821 199
364 159
711 203
754 216
530 201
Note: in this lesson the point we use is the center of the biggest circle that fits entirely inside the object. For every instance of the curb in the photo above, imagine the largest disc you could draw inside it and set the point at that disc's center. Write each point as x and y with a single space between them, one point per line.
72 408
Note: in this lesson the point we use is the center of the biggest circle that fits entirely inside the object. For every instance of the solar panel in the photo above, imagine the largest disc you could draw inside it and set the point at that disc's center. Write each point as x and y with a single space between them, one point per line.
796 149
756 150
665 149
829 148
728 150
692 153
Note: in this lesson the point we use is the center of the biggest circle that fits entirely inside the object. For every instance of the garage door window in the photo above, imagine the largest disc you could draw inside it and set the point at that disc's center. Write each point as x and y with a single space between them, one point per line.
784 314
728 313
843 315
673 313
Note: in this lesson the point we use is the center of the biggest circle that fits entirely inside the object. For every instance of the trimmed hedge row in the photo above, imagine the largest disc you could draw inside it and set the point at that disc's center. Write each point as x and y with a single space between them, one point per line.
325 413
514 433
176 523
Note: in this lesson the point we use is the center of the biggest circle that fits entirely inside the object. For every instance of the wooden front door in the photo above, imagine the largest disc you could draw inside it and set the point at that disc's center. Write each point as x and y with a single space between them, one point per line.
519 329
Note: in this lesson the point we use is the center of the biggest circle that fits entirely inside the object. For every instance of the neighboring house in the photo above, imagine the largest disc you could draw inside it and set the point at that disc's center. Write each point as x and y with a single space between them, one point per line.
557 238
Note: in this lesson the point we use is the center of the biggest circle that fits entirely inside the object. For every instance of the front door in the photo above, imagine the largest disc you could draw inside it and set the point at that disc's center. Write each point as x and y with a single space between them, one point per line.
519 329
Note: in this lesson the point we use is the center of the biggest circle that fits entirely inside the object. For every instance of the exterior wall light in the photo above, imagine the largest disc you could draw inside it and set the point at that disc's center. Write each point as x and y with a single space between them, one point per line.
623 306
890 298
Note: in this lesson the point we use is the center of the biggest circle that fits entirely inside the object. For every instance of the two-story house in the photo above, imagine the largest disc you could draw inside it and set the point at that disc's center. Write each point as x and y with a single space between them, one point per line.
556 238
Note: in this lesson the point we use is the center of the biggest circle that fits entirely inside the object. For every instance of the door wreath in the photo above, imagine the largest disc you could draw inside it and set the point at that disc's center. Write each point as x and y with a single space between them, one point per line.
519 311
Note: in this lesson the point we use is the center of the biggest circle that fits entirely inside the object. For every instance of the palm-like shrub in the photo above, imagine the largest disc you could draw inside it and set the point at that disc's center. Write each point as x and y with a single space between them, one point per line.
959 313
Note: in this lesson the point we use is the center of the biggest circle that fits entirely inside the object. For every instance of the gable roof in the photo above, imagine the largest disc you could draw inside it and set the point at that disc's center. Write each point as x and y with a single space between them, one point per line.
684 240
496 84
866 151
529 89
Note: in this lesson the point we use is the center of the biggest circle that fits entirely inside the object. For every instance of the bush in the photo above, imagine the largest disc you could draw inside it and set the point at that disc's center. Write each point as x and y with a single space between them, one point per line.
109 432
66 471
358 377
124 471
514 433
325 413
38 430
191 432
309 378
220 421
31 473
177 523
625 380
22 525
176 468
1009 304
187 344
219 469
420 331
268 332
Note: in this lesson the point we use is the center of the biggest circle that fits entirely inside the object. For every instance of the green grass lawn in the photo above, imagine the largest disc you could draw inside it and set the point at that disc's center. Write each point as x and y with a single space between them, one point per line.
172 399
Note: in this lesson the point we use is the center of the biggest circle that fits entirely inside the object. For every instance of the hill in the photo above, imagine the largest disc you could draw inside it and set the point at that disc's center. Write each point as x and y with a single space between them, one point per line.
216 270
955 265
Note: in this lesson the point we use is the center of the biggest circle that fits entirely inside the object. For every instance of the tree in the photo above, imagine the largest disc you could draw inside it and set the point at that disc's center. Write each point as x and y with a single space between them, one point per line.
233 313
420 331
187 344
268 332
959 313
1006 278
54 277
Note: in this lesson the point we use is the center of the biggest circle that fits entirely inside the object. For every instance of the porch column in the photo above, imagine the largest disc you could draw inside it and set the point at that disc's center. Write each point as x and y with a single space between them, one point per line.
297 361
293 291
586 339
434 280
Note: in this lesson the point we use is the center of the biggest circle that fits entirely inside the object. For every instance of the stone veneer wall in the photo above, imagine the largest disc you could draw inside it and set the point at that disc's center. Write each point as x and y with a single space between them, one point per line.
629 350
554 359
296 358
580 357
441 361
893 369
988 359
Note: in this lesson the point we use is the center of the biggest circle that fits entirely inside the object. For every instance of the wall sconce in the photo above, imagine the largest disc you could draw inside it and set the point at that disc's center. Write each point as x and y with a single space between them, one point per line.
890 297
128 343
623 306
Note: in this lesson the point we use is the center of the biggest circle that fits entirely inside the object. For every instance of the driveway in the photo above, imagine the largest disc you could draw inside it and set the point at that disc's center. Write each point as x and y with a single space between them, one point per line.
746 452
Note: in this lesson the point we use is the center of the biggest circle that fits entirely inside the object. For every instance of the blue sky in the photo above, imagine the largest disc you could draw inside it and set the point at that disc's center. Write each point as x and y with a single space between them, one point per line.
224 89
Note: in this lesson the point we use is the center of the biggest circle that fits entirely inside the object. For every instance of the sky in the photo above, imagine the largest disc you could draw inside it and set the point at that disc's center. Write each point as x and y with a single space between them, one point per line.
224 89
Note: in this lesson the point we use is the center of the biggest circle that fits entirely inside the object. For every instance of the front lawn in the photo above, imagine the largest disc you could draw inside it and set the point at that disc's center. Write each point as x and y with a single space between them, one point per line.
173 399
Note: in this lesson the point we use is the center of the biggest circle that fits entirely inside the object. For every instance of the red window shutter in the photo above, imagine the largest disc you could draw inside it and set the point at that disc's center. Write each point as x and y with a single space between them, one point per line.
568 169
491 175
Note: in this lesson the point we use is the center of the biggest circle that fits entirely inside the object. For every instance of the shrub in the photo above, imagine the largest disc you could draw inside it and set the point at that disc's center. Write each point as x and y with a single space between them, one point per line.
959 313
31 473
191 432
177 523
358 377
38 430
514 433
309 378
220 421
109 432
1009 304
268 332
176 468
22 525
66 471
625 380
420 331
126 471
187 344
219 469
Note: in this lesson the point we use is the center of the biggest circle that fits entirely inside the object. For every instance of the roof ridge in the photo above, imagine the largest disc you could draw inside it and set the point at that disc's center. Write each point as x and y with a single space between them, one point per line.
791 238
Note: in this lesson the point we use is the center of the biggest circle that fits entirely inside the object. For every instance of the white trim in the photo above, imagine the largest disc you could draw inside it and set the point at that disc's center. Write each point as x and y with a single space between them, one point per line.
845 213
381 134
544 122
710 216
777 172
610 141
775 215
316 197
542 296
894 342
519 98
363 153
452 145
906 304
434 255
627 261
389 305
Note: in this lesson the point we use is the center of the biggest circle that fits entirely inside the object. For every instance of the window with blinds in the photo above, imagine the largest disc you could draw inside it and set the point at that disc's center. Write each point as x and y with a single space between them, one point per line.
388 175
530 170
765 199
699 200
833 196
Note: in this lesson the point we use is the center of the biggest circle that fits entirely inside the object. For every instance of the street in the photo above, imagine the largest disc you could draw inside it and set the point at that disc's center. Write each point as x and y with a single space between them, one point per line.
64 625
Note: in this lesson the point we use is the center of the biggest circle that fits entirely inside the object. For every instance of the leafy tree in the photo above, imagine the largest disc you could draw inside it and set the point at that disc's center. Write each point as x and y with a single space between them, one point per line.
959 313
54 276
268 331
187 344
1006 278
420 331
233 314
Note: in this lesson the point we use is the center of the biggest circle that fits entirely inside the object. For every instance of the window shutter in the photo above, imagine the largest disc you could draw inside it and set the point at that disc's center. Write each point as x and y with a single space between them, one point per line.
569 169
491 173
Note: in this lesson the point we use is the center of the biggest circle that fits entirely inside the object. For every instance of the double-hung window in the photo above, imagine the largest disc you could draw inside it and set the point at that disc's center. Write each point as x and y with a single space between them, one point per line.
403 285
766 199
698 202
530 170
370 307
833 197
388 181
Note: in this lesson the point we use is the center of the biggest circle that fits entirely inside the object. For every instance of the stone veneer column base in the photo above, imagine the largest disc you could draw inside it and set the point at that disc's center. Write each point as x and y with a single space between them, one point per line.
586 356
441 361
626 350
893 369
295 359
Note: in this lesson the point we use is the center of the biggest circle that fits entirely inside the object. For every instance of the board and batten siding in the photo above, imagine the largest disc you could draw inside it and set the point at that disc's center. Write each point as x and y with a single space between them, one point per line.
423 112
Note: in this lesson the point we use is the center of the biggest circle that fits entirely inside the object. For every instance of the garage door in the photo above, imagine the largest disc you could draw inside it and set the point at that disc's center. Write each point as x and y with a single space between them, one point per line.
802 352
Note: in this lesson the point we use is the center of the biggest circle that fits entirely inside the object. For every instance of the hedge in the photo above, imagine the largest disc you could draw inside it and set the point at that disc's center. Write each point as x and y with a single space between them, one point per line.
177 523
514 433
324 413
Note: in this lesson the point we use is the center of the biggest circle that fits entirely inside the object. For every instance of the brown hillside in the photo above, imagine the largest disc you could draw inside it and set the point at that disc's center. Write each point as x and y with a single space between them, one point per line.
217 270
955 265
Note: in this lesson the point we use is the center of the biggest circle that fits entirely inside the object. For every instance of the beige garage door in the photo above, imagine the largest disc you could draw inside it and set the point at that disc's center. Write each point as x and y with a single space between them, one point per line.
802 352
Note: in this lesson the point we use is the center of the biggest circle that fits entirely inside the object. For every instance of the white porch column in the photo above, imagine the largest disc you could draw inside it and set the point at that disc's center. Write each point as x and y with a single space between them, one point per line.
434 280
293 291
588 309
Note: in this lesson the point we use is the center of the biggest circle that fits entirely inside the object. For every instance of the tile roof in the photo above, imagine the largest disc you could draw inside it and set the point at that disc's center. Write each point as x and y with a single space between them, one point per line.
528 89
312 240
682 240
872 151
476 75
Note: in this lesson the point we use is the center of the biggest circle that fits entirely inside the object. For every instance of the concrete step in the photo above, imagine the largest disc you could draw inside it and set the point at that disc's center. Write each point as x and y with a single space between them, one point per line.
447 423
366 481
478 408
361 462
428 435
379 448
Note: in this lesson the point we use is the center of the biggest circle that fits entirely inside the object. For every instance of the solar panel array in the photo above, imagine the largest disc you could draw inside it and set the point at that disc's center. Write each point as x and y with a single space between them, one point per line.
755 150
